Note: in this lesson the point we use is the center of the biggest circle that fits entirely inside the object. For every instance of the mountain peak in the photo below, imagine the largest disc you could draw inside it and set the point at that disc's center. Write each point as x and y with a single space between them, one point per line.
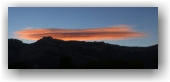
48 39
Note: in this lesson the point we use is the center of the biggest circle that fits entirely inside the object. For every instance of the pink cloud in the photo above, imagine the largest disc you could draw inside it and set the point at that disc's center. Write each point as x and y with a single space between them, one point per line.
105 33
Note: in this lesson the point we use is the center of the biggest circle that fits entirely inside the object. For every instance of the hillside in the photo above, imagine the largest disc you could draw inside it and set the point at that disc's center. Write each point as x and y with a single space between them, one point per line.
49 53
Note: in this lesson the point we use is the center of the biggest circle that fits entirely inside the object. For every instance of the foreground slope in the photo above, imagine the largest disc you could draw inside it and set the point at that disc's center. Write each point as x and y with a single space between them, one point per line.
48 53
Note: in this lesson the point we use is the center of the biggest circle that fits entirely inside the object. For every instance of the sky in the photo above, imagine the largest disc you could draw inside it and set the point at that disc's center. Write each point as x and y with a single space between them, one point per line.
126 26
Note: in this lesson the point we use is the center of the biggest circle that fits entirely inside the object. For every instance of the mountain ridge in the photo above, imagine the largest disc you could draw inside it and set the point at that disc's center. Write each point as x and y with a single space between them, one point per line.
49 53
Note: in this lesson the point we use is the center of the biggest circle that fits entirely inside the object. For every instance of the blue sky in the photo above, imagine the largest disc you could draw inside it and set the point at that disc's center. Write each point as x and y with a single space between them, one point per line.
143 19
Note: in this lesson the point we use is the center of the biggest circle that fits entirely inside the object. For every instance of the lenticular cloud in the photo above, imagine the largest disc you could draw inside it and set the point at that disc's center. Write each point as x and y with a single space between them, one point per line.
106 33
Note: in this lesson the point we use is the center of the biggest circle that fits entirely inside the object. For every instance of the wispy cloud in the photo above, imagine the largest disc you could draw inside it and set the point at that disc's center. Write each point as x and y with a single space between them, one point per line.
105 33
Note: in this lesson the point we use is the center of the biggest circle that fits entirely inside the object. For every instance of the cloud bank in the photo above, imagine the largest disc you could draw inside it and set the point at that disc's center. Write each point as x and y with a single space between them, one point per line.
106 33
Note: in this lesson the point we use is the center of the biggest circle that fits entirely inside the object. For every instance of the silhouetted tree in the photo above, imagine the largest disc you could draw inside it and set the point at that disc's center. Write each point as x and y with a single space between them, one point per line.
65 63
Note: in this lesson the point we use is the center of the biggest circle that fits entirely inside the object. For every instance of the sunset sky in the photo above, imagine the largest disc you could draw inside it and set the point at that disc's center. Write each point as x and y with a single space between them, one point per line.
127 26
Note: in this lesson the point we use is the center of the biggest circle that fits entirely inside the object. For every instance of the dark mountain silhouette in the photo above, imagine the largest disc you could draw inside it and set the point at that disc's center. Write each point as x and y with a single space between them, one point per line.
49 53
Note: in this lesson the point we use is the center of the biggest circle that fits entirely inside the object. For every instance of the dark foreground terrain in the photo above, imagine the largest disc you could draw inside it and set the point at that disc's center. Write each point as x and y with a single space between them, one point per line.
48 53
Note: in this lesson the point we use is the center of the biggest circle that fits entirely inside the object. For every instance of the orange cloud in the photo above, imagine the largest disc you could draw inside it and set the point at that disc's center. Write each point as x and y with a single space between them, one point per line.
107 33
